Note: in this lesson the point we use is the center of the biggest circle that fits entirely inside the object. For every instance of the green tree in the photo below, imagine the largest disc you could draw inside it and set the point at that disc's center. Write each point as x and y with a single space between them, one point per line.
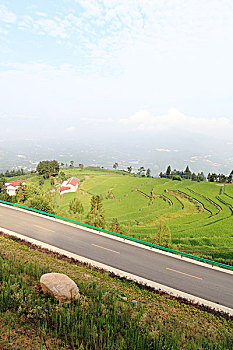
41 181
200 176
213 177
222 178
129 169
62 176
21 193
54 167
187 173
75 206
163 236
148 173
230 177
48 168
115 226
193 177
141 171
7 173
168 171
71 164
33 190
81 166
96 214
115 165
2 184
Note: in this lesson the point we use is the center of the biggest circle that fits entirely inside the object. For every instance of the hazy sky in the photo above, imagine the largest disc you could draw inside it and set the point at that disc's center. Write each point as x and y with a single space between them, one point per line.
143 69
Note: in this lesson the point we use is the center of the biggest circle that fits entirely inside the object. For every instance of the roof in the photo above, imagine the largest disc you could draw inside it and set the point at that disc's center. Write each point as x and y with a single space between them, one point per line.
73 181
14 183
10 186
64 188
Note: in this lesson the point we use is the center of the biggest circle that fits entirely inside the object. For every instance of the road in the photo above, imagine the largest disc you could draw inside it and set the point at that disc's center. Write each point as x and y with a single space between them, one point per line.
203 282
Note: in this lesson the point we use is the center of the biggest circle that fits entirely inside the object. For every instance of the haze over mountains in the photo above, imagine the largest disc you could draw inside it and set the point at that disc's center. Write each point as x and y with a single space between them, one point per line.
199 153
138 82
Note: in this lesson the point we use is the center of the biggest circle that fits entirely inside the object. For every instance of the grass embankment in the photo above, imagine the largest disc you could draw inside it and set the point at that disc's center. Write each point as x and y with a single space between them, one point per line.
200 215
101 319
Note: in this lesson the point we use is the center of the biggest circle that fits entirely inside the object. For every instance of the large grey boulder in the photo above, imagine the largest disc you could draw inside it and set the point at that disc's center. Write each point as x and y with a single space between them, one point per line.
59 286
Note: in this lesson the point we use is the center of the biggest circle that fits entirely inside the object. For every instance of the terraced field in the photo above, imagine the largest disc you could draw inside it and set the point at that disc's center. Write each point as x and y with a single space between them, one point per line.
199 215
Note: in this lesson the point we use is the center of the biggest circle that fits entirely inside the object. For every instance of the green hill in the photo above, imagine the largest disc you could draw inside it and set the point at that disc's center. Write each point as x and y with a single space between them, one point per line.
198 214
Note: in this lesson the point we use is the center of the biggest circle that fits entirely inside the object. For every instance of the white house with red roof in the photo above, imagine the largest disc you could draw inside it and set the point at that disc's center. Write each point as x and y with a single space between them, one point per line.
12 186
69 185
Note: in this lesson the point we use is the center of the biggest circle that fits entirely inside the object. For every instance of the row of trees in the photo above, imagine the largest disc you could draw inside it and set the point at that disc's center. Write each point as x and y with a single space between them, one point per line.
144 172
141 171
12 173
187 174
71 165
220 177
182 174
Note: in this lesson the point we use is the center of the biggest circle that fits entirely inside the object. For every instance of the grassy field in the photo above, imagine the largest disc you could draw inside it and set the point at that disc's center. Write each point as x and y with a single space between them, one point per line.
111 313
199 215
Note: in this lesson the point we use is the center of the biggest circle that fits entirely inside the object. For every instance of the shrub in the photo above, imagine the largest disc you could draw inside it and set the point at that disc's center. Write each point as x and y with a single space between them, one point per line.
75 206
40 203
176 177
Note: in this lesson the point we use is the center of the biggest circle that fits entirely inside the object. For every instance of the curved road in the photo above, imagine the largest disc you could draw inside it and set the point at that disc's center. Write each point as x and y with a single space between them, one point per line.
203 282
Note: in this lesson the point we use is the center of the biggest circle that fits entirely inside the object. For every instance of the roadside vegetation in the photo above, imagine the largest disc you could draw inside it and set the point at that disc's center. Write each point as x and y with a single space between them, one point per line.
111 314
195 217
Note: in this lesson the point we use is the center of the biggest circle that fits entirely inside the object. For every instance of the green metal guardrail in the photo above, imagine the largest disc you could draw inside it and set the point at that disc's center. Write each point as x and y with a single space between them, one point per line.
152 245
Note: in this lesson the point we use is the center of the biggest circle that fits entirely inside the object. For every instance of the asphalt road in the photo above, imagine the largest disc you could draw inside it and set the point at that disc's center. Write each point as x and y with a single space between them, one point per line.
190 278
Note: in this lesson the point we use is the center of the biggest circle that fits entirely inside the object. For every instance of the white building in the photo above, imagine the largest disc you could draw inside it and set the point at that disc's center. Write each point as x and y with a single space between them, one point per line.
69 185
12 186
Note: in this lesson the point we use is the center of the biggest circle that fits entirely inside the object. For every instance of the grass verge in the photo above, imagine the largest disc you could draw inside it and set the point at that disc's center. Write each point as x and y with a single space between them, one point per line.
112 313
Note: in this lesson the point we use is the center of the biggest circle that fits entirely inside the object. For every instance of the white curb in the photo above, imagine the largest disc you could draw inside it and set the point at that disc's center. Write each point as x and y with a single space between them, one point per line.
117 272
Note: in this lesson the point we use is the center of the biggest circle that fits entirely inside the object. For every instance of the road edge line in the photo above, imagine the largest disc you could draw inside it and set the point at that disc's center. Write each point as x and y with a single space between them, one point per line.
121 273
124 240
